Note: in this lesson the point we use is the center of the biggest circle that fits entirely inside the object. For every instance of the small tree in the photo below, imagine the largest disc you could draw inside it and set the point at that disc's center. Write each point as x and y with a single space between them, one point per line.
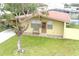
19 25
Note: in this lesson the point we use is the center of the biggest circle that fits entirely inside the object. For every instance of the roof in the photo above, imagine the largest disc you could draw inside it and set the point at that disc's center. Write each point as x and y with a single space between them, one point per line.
60 16
54 15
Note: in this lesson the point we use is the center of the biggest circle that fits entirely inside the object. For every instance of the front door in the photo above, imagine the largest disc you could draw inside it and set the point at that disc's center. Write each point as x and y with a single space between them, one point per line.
43 27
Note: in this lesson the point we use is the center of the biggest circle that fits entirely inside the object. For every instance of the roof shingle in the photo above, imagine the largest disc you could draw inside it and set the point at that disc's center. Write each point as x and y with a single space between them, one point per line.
55 15
60 16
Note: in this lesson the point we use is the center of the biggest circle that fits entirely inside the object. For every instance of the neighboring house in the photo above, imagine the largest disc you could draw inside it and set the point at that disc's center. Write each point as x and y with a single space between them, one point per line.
74 18
52 24
2 21
75 21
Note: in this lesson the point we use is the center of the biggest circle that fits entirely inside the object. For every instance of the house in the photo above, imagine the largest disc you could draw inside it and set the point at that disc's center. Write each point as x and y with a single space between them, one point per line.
51 24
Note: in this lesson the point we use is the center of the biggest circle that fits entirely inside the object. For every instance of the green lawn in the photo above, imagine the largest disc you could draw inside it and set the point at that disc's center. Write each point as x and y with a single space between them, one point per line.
40 46
73 26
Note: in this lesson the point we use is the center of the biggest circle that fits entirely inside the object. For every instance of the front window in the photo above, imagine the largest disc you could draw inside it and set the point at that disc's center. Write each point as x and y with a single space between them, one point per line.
35 24
49 24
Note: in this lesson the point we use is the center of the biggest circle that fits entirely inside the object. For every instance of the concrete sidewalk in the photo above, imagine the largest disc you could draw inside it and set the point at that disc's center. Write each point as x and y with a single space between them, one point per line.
5 35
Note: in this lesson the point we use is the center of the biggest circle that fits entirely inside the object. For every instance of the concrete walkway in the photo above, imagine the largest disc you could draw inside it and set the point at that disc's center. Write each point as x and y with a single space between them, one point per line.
5 35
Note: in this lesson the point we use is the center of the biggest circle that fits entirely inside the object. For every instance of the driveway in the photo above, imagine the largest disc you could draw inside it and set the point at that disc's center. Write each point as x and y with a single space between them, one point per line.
5 35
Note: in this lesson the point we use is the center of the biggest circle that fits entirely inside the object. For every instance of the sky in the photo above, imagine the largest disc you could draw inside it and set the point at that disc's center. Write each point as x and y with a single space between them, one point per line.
55 5
50 3
43 1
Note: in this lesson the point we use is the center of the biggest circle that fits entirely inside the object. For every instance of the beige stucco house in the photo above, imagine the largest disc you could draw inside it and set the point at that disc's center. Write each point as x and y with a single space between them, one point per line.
51 24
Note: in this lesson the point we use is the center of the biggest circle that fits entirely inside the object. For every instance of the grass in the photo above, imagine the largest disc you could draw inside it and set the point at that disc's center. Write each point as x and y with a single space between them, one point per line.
40 46
73 26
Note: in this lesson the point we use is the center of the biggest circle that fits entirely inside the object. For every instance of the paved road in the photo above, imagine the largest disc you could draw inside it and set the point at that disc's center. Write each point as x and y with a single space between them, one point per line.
5 35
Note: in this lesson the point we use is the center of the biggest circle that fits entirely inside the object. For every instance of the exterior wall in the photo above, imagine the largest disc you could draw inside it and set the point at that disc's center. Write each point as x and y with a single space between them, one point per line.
58 27
29 30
